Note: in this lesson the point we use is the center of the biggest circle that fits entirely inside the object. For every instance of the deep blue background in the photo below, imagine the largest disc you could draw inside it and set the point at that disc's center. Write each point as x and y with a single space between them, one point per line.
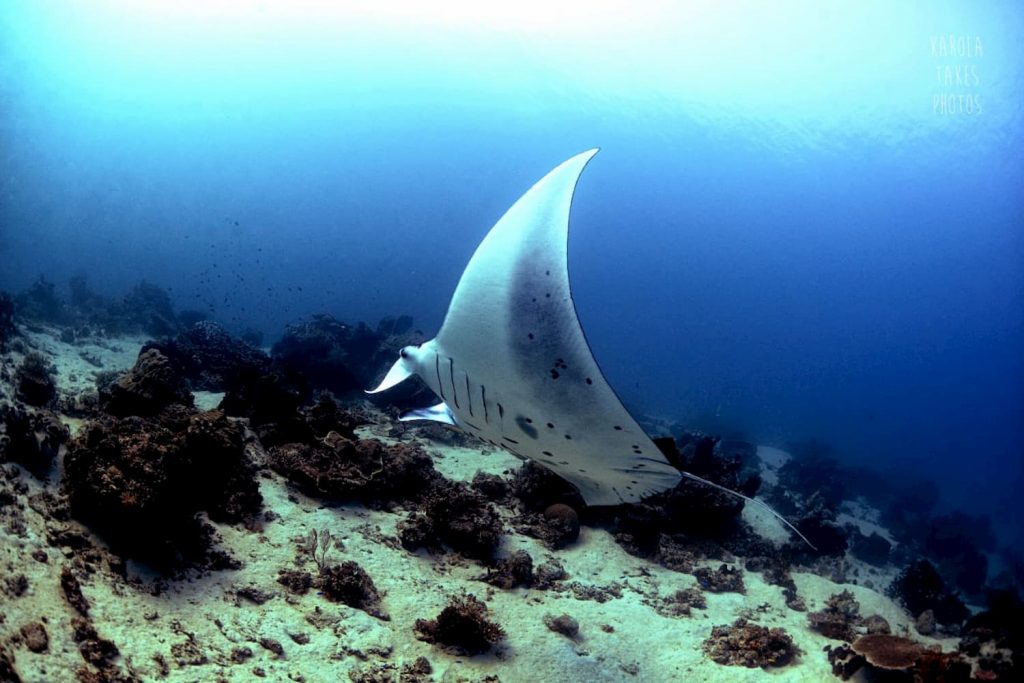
781 228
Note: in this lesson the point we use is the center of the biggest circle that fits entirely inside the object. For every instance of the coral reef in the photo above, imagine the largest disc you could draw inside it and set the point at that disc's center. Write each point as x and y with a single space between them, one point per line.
538 488
889 657
40 303
750 645
692 507
148 307
345 469
681 603
348 583
839 617
515 570
210 358
817 521
557 527
725 579
340 357
456 516
31 438
34 380
271 401
149 387
494 488
955 542
139 481
919 587
462 626
996 636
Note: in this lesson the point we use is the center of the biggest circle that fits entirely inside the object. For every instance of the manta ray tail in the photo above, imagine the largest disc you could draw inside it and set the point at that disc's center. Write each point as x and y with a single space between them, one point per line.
755 501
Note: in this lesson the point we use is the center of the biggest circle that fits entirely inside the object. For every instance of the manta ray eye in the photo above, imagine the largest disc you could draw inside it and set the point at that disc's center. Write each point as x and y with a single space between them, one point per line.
404 353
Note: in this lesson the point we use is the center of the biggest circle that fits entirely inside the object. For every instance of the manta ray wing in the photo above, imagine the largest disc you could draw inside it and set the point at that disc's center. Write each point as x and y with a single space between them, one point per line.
512 364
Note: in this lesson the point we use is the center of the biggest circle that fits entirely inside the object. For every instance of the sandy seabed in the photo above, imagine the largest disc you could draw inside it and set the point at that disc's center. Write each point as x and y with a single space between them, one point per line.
242 625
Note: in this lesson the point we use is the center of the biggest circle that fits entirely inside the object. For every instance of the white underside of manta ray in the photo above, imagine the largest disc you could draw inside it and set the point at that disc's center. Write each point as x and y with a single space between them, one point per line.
511 364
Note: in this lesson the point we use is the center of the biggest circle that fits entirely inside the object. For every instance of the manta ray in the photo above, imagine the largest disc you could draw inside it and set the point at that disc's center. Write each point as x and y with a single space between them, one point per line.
511 364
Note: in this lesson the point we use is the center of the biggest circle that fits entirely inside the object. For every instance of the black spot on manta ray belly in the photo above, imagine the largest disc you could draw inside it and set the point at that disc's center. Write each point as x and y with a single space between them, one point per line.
526 426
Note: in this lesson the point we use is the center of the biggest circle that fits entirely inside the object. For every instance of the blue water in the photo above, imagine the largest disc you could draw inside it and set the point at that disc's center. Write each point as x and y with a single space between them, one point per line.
805 221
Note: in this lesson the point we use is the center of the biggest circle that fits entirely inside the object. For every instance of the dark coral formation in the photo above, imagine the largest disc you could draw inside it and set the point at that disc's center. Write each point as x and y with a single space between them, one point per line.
338 357
348 583
817 522
462 626
681 603
295 580
272 403
210 358
562 525
512 571
148 307
347 469
557 527
41 303
497 489
995 637
538 488
696 508
956 541
149 387
34 381
31 438
456 516
140 481
750 645
563 624
725 579
919 587
839 617
894 658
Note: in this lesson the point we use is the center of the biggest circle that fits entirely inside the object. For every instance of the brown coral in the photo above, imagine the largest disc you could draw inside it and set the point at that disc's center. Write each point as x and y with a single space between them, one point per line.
888 651
149 387
140 481
725 579
462 626
34 380
348 583
341 468
457 516
838 618
750 645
